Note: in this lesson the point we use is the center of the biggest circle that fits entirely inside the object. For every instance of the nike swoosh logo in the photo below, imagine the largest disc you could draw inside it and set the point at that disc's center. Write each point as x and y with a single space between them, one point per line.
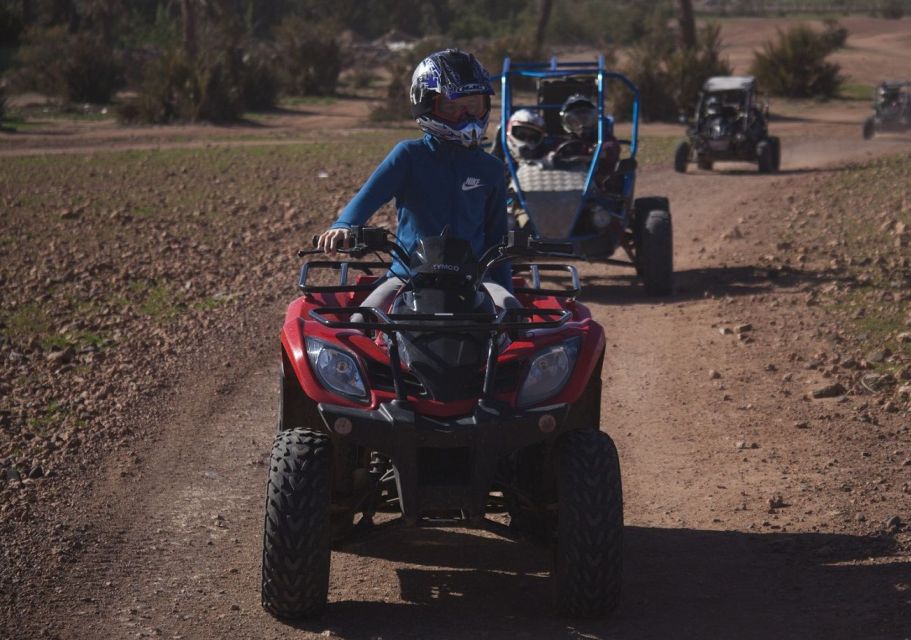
469 187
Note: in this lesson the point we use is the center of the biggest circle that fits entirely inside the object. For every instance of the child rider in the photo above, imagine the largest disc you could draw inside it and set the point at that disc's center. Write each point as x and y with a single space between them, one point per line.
443 179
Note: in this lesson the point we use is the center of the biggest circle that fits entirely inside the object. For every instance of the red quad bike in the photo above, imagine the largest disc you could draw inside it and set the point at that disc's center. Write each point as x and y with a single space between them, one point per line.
442 409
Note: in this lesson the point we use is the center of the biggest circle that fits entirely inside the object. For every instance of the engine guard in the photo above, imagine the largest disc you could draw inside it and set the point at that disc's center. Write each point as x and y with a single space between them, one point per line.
424 450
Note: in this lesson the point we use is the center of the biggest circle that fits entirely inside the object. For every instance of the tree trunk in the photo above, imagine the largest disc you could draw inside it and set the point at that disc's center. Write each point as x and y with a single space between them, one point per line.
188 14
28 15
543 19
687 24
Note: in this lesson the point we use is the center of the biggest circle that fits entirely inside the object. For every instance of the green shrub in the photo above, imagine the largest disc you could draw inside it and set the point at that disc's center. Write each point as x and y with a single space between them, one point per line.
71 67
258 80
892 9
10 26
311 57
689 69
175 89
397 104
669 78
216 87
362 76
835 34
796 66
519 47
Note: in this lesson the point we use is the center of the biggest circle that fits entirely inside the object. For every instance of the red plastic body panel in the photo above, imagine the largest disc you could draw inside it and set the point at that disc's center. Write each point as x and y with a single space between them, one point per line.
298 325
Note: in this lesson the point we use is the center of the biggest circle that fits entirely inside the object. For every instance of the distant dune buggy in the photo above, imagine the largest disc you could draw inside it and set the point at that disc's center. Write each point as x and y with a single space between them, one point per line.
568 180
891 109
729 126
442 409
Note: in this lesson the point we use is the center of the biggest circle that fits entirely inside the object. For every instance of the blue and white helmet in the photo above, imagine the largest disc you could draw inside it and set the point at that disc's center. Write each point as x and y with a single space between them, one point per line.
451 73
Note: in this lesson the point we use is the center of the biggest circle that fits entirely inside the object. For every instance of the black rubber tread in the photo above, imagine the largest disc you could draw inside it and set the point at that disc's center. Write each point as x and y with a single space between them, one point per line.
765 153
776 153
295 409
535 468
656 253
869 128
706 164
296 539
681 157
589 554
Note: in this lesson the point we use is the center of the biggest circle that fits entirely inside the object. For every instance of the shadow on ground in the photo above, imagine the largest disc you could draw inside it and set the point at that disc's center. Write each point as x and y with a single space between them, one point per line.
693 284
679 583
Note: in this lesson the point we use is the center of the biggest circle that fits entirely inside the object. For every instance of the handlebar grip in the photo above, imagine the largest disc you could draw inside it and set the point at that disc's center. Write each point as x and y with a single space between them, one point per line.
314 241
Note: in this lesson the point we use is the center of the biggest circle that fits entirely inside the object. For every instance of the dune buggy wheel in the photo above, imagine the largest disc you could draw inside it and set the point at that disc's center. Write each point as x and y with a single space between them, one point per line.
869 128
655 245
588 559
681 157
776 153
296 541
765 154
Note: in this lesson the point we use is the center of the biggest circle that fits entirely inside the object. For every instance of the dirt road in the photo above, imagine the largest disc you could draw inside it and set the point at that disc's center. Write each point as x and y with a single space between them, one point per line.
738 523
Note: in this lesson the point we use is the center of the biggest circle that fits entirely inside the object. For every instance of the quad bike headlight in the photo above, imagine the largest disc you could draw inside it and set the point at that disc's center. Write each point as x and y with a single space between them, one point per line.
336 370
549 371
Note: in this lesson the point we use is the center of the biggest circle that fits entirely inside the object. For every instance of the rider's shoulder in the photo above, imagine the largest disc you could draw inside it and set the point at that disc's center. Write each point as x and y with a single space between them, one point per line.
488 161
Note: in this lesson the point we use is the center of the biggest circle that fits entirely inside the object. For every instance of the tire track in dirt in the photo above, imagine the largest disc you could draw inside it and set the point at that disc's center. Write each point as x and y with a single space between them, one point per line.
179 535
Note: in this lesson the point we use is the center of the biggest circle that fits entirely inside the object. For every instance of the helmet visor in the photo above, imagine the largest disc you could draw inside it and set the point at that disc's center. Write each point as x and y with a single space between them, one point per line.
527 134
580 121
456 110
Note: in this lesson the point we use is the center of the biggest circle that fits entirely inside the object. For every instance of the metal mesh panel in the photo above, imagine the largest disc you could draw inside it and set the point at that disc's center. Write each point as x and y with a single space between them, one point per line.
553 197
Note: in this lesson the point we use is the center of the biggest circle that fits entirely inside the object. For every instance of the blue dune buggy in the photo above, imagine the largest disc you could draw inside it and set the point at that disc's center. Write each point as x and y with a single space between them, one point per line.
577 188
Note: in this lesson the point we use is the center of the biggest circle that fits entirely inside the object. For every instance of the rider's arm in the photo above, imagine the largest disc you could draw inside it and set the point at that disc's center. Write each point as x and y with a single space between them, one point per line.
385 183
495 228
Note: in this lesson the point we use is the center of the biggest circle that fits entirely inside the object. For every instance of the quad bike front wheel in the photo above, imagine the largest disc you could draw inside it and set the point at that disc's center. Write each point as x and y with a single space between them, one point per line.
681 157
296 541
655 245
869 128
588 559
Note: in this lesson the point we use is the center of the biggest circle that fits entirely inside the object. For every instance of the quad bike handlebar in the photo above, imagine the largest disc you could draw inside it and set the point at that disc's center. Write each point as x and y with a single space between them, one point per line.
516 244
364 240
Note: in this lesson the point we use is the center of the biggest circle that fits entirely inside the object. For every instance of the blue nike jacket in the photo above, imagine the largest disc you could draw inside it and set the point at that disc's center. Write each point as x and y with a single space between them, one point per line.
436 184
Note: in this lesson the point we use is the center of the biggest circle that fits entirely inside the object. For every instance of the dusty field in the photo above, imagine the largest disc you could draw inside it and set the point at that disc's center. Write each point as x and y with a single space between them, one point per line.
144 272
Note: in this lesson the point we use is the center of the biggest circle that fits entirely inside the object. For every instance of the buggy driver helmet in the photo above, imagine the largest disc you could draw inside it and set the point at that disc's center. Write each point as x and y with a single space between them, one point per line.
713 106
450 97
525 133
579 117
888 93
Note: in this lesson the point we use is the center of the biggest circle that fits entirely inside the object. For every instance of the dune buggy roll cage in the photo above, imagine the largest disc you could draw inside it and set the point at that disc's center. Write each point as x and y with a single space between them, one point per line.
373 240
556 69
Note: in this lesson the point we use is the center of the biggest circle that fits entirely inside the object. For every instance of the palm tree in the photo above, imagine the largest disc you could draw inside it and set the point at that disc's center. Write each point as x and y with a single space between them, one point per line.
543 18
687 24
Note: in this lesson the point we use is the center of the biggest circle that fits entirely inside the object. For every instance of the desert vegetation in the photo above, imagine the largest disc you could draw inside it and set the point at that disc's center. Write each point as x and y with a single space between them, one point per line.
160 62
796 64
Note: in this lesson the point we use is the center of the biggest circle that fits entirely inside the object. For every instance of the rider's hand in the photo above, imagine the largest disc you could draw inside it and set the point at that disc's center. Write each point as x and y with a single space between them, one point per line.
332 239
